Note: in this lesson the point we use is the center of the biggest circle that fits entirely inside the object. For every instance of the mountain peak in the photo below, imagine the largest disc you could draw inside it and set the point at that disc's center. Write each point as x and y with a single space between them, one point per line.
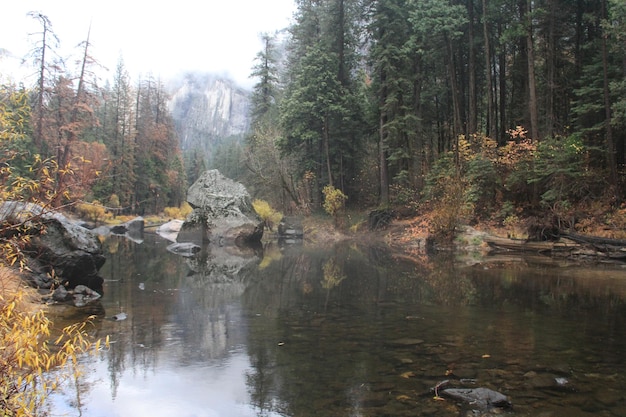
207 108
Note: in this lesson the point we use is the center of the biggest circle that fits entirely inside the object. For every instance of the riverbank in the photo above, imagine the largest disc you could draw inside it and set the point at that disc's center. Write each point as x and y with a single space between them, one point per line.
601 241
12 286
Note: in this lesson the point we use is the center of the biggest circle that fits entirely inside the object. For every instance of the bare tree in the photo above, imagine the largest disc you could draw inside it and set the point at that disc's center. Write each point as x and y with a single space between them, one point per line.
40 54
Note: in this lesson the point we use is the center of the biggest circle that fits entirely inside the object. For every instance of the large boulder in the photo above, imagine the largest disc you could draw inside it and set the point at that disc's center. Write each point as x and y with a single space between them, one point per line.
56 244
222 213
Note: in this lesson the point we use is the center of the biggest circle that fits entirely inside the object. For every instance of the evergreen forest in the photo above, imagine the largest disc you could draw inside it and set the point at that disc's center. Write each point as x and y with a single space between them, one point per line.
474 109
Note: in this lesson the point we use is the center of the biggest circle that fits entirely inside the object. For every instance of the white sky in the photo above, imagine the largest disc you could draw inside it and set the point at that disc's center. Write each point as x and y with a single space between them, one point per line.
162 38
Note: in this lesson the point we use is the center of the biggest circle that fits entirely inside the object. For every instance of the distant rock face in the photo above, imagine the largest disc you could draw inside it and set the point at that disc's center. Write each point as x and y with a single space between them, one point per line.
206 109
222 213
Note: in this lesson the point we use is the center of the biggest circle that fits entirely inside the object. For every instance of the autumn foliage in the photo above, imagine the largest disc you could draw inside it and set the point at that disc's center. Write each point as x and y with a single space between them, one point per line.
34 356
269 216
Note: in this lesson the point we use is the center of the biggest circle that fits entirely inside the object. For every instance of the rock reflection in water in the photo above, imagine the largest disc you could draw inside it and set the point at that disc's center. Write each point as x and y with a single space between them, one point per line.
352 330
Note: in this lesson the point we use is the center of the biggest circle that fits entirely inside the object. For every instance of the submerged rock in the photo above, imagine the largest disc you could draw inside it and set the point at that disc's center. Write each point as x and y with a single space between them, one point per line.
481 398
119 316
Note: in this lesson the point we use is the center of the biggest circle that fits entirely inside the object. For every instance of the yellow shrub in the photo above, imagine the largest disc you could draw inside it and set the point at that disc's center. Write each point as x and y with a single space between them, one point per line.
171 212
92 211
178 212
28 355
267 213
334 203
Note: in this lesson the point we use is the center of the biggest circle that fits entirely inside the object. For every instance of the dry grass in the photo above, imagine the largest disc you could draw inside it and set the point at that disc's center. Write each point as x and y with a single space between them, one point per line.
11 285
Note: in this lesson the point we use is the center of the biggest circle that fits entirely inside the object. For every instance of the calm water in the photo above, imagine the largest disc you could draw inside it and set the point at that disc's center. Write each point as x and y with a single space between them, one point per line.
349 330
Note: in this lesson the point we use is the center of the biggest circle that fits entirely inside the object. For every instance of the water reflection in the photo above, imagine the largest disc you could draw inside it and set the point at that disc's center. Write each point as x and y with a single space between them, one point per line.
349 330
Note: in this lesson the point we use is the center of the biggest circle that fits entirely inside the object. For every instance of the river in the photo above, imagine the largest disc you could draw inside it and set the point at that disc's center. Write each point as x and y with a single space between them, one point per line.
349 330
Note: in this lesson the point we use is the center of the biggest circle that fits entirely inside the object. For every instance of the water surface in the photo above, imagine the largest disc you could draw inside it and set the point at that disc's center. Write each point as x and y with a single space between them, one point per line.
349 330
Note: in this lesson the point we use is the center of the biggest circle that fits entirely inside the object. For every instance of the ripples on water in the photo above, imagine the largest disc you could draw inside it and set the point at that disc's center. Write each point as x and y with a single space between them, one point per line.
349 331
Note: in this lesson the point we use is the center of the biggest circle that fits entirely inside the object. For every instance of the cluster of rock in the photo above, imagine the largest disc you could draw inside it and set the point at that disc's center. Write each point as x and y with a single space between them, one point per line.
57 251
66 256
132 229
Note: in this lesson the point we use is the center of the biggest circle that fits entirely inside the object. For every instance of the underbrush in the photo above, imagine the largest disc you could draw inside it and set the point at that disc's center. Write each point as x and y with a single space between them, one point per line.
35 357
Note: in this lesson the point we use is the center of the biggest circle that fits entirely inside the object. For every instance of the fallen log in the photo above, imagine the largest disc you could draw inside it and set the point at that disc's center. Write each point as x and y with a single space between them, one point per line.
594 240
570 245
522 245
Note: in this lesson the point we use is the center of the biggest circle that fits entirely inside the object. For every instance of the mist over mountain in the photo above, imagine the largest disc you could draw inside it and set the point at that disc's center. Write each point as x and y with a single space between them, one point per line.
207 109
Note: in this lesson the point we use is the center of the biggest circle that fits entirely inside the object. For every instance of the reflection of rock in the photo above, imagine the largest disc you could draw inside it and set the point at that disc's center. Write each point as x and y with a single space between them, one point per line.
223 264
222 213
210 297
75 253
290 231
291 228
186 249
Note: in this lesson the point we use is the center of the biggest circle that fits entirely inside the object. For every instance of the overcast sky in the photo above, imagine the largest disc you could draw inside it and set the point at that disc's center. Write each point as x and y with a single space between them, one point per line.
162 38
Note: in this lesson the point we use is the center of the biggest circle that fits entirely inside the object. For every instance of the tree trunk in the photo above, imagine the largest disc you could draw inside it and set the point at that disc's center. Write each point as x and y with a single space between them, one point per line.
491 119
611 159
532 87
454 88
327 150
472 110
551 69
382 161
502 91
341 45
417 158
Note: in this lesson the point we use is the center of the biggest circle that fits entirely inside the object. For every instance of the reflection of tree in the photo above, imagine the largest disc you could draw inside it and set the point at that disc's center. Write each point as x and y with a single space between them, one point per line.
137 339
336 355
321 325
333 274
332 277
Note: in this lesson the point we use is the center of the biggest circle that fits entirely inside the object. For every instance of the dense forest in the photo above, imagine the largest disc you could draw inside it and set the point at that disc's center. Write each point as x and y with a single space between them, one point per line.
491 108
68 139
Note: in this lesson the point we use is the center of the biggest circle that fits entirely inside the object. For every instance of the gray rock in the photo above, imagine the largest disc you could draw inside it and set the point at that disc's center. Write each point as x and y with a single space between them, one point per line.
61 295
290 227
222 213
37 279
120 316
73 252
132 229
135 226
480 398
170 230
83 295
